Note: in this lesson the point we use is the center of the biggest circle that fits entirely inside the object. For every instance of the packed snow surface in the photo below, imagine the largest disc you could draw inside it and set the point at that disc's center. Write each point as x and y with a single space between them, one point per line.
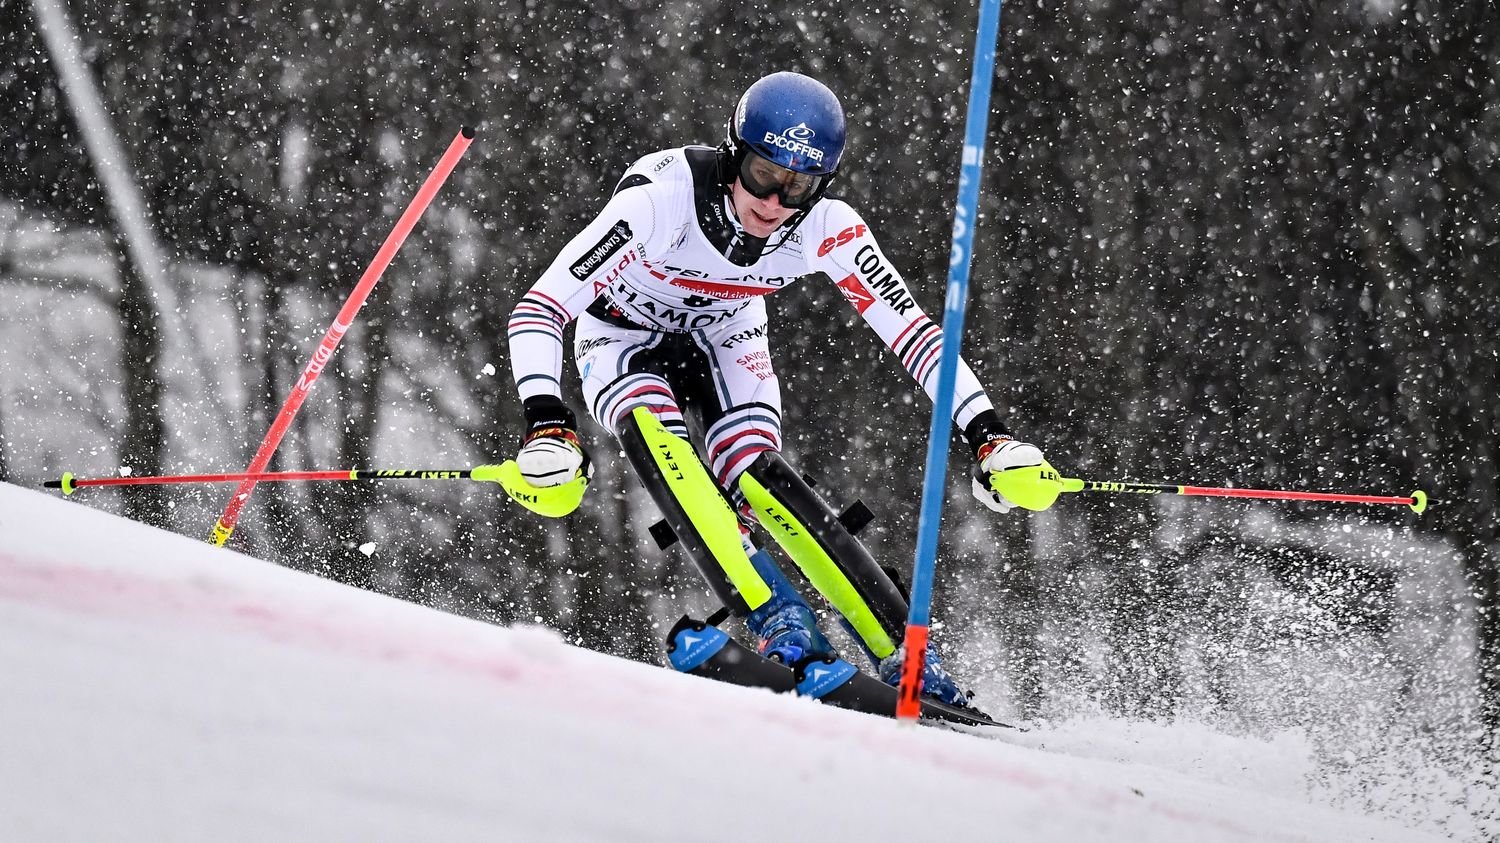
157 688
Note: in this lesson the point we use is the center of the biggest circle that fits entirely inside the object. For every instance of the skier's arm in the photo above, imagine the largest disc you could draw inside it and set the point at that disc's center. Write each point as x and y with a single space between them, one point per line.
569 286
849 255
552 467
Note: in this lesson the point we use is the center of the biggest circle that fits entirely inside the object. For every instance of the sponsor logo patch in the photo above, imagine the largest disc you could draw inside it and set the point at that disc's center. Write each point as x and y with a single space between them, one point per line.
647 311
796 140
602 283
744 336
881 281
661 271
799 132
723 292
841 238
856 294
758 363
588 346
614 241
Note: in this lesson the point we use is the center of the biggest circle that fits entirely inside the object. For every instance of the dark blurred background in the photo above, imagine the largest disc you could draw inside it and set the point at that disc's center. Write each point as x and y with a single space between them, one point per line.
1221 244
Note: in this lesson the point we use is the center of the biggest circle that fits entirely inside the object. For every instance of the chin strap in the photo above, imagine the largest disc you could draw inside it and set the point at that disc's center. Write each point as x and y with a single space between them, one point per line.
741 238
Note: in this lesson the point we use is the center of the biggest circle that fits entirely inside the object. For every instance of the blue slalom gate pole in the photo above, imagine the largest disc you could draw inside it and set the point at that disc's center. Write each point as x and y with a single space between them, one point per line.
908 705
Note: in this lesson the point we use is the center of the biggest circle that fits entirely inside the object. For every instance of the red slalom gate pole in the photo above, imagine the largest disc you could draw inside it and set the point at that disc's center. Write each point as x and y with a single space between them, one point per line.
224 527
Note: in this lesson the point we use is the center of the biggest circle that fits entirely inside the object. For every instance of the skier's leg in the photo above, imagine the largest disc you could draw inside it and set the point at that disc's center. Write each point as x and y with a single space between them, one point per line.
623 370
740 405
834 561
874 609
694 508
785 625
726 384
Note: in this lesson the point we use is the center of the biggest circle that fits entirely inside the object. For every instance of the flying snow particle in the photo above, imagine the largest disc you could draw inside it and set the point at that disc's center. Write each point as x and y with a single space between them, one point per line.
368 548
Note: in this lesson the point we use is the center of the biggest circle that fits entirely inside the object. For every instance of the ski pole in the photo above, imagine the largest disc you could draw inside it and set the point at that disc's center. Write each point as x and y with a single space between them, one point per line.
1417 500
70 484
341 323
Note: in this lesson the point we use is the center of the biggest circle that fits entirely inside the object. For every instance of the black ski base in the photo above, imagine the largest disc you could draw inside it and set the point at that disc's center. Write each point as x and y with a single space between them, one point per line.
700 649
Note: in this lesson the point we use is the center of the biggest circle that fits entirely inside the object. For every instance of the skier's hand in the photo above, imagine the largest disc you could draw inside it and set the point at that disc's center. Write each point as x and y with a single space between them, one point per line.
1009 473
551 457
551 472
550 452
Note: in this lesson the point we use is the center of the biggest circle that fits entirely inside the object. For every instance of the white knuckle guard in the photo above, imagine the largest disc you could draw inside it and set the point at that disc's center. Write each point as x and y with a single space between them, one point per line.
1012 455
548 461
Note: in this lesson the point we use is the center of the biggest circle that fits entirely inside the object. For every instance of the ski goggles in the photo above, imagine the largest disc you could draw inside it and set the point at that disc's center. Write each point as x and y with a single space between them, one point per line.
764 179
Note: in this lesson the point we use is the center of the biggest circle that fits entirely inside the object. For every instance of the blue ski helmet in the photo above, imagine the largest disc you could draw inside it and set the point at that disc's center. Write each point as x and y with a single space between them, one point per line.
791 120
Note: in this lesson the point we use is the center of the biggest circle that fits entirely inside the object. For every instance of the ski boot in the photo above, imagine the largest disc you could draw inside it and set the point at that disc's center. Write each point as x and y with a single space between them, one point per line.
936 682
785 626
788 633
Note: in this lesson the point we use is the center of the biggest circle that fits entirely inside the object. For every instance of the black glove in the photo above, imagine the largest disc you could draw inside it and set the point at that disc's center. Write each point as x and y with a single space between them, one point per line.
984 432
997 451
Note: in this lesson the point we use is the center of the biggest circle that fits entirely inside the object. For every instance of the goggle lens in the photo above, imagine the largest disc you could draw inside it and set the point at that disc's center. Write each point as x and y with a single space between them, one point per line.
764 179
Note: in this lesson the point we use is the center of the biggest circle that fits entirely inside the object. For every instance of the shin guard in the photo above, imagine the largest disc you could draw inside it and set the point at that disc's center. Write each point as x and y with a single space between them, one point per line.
694 508
833 560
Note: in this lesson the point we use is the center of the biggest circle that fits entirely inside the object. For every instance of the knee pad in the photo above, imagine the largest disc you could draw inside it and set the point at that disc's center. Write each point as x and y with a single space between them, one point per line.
837 565
694 508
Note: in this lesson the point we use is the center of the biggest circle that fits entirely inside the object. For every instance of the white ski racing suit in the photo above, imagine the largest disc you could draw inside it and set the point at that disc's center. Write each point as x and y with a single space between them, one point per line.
668 293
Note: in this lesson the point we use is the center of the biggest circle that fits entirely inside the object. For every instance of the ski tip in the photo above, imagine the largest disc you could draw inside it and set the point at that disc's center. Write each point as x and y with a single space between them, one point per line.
1418 501
966 717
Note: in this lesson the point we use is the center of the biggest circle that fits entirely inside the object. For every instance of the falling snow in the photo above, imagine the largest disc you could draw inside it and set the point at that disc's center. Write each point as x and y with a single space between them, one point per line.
1220 244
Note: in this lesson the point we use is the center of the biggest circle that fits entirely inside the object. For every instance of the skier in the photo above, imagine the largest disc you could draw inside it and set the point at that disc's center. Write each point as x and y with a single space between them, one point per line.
667 286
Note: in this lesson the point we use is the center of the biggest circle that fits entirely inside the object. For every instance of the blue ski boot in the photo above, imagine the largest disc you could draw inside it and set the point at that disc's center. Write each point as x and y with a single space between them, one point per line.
785 624
788 633
936 682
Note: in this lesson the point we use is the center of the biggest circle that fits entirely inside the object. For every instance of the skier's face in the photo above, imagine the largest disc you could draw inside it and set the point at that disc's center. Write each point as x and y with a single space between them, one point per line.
759 216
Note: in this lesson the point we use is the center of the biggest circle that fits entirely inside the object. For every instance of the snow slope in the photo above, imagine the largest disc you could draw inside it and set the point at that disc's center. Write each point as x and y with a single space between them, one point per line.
155 688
